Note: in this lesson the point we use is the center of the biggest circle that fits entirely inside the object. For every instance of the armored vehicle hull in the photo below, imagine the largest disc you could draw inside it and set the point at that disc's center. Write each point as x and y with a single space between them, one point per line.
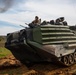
56 43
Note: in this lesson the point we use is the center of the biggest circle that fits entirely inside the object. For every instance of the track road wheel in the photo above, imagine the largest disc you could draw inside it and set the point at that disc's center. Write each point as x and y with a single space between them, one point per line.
71 59
65 60
75 56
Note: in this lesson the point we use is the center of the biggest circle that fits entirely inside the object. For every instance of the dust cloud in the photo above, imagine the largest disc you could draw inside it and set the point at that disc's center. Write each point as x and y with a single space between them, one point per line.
5 5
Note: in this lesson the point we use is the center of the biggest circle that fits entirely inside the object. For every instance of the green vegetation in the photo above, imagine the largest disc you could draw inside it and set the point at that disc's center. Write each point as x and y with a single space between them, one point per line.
4 52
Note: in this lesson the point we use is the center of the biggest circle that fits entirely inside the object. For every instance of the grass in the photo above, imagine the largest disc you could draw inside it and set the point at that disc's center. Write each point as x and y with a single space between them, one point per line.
4 52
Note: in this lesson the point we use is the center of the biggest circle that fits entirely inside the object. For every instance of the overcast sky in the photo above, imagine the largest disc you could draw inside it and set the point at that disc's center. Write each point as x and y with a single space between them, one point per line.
21 11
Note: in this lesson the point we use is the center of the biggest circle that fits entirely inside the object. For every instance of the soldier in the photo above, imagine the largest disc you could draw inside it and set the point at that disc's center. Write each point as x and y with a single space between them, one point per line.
57 22
61 20
44 22
35 22
52 22
65 23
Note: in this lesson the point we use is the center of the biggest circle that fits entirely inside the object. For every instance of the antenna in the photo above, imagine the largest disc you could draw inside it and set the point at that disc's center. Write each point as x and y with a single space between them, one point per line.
22 26
26 24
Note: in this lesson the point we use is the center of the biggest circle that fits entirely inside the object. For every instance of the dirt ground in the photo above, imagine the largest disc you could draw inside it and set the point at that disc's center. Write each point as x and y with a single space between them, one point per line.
11 66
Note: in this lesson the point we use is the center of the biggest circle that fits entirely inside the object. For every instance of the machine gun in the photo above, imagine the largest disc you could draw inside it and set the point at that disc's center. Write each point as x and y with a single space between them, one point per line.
24 26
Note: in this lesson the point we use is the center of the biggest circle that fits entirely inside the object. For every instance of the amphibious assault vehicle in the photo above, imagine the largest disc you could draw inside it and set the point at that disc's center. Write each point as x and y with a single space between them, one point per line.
56 43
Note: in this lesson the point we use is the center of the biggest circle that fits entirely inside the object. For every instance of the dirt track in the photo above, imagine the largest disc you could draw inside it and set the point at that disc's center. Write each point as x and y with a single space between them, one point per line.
10 66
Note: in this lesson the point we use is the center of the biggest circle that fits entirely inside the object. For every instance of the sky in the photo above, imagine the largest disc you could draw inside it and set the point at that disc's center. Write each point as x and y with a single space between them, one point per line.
19 12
